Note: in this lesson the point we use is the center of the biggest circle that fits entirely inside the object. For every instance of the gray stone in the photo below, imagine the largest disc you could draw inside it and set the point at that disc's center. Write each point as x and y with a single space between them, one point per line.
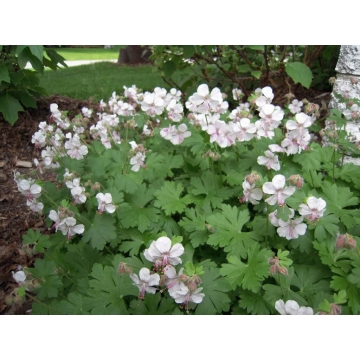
348 83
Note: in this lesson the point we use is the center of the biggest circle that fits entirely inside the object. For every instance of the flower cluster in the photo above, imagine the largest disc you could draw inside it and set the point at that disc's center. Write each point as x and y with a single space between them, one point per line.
65 222
181 287
31 191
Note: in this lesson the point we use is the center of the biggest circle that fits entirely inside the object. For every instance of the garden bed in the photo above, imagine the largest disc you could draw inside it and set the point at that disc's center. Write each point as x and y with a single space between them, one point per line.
15 217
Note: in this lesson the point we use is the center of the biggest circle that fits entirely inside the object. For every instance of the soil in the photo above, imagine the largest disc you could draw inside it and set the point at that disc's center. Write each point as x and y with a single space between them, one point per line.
15 217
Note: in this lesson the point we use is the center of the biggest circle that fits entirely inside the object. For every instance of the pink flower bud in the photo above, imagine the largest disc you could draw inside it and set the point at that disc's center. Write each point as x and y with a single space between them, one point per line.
335 309
296 180
124 269
252 178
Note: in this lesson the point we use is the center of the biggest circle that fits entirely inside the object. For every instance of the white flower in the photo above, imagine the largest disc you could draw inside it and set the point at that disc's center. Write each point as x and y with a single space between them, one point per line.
137 161
252 193
271 161
265 97
75 149
145 282
244 130
295 106
190 296
34 205
105 203
152 104
69 228
29 189
86 112
278 189
161 253
175 111
19 277
180 134
203 101
291 307
292 228
313 209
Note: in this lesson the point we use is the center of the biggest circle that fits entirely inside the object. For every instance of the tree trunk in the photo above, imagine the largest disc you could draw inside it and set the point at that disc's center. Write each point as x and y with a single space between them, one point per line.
134 54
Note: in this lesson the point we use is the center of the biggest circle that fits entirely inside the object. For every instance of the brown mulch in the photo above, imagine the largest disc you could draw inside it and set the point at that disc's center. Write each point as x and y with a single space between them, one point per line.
15 216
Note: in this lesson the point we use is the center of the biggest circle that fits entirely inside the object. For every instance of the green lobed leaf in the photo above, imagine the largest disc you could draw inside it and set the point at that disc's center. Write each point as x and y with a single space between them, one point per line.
254 303
169 198
215 289
251 274
101 231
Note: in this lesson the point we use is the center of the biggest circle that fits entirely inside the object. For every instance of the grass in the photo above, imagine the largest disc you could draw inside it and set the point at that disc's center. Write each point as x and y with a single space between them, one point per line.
97 81
72 54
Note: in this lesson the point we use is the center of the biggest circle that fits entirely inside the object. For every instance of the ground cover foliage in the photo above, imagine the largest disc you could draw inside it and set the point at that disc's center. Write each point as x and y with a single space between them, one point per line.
222 211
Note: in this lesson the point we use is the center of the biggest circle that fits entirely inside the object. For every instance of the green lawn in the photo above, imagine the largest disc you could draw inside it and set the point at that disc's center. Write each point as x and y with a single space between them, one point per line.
97 81
88 53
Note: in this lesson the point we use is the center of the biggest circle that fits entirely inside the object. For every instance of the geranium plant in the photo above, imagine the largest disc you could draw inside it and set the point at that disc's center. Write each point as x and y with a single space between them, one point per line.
159 207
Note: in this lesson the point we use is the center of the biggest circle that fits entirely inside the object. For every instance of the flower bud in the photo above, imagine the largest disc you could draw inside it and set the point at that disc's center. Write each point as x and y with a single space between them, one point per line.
283 271
252 178
335 309
96 187
124 269
345 241
296 180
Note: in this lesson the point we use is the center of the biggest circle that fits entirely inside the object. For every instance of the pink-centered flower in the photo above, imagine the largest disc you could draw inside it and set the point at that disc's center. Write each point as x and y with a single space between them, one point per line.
252 193
313 209
277 189
145 281
161 253
292 228
105 203
270 160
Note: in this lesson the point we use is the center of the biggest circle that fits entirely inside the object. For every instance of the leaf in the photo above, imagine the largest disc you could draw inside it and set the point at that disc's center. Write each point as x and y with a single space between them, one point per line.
352 291
337 199
10 107
108 289
153 305
101 231
168 68
326 224
4 74
251 274
74 305
227 226
211 189
256 74
253 303
143 218
128 183
194 223
37 51
215 289
50 283
243 68
169 198
311 279
35 237
300 73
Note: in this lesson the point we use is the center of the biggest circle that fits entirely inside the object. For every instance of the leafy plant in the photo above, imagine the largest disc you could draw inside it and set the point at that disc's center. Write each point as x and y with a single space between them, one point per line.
214 212
20 86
